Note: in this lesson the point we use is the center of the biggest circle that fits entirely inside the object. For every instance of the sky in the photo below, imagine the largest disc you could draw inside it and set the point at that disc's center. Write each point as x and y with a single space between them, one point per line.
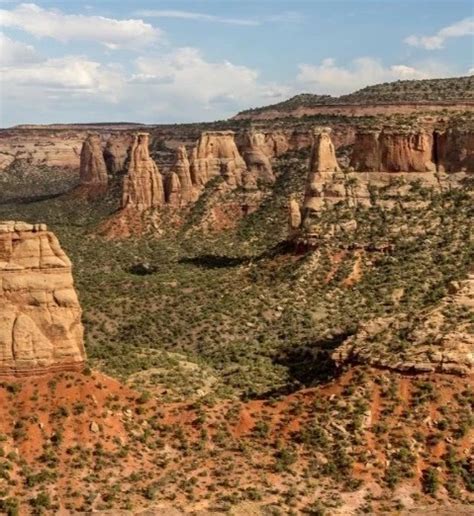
167 61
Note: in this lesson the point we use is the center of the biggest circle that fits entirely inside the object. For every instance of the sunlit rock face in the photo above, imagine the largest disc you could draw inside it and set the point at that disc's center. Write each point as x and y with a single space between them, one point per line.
259 166
40 315
143 183
216 154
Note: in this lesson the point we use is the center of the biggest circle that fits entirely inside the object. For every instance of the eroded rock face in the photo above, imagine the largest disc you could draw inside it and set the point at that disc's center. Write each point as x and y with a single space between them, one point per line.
93 172
258 163
455 150
323 154
40 315
393 150
179 186
116 152
438 340
216 154
143 184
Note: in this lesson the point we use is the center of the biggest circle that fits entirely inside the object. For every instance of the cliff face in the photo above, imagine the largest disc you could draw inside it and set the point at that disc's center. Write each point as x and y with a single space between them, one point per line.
258 163
179 186
143 184
393 150
455 150
216 154
92 170
116 152
40 316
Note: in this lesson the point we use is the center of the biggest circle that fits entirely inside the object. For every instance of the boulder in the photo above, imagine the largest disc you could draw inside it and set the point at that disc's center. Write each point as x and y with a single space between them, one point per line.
40 316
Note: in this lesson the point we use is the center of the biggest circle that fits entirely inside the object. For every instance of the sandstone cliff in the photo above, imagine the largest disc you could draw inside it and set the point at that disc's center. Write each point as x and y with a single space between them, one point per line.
179 186
455 150
216 154
254 153
116 152
393 150
40 316
92 170
143 184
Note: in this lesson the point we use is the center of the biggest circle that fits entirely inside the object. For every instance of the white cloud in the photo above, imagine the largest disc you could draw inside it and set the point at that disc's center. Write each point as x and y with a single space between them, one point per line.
192 15
329 78
461 28
66 27
15 52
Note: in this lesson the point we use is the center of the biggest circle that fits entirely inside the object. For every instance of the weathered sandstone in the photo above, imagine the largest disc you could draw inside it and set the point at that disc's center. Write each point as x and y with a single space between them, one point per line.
116 152
323 154
455 150
93 172
40 316
258 163
173 190
393 150
216 154
182 170
143 184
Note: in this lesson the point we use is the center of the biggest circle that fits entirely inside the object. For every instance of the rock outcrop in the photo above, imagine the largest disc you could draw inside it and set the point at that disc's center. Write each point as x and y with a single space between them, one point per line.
40 316
179 187
454 150
116 152
437 340
143 184
258 163
323 154
393 150
216 154
294 217
93 172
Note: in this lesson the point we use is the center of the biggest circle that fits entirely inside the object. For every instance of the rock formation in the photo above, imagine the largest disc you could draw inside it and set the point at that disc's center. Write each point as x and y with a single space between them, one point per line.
93 172
116 152
40 316
454 150
143 184
216 154
323 154
393 150
179 187
438 340
258 163
294 217
276 143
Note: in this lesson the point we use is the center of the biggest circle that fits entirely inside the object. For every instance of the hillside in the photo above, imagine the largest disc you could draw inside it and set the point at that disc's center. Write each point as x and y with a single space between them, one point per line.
428 91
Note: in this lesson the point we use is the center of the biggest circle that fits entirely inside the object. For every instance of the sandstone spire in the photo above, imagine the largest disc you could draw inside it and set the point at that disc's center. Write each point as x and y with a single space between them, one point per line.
173 190
258 163
143 184
216 154
323 155
182 170
40 316
93 172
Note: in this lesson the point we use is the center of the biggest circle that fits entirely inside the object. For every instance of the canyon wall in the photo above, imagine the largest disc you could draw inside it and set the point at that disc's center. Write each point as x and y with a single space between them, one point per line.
40 316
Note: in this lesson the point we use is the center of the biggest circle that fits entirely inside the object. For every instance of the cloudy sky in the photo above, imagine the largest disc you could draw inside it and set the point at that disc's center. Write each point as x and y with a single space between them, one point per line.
196 60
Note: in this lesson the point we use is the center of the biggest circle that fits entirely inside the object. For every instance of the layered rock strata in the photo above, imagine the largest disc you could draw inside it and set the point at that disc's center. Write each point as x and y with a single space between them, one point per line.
40 315
258 163
216 154
143 183
179 187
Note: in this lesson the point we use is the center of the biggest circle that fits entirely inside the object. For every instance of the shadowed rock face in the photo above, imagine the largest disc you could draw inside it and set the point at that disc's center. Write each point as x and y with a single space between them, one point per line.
179 186
455 150
217 154
40 316
93 172
116 152
143 184
393 150
254 154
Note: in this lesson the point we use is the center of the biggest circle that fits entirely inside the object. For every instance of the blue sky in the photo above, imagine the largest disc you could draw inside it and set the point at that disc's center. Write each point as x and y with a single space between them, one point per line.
181 60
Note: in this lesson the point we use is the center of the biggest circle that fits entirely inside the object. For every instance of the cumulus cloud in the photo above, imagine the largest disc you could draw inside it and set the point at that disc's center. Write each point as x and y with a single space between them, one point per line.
67 27
461 28
329 78
15 52
192 15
